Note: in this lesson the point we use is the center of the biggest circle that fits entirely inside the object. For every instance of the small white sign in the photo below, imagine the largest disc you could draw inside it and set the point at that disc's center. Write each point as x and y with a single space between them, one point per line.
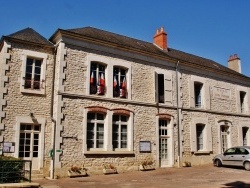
145 146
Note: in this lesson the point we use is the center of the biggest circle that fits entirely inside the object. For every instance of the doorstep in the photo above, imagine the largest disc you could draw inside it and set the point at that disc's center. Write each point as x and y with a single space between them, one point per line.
14 185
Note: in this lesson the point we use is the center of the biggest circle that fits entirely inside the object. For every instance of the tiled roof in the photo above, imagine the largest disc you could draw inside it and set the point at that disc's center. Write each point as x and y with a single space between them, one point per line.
30 35
130 43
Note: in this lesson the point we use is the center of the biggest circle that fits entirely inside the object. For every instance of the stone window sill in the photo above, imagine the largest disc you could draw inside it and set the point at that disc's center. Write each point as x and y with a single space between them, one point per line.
202 152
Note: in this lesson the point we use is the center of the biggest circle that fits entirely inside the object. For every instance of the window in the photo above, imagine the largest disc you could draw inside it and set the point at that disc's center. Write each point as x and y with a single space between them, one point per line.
119 82
95 130
163 87
120 131
198 94
199 134
224 138
242 101
107 131
244 135
33 72
97 79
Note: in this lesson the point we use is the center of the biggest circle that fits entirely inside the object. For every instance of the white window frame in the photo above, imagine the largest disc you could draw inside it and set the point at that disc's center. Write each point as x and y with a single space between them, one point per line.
229 142
168 86
246 100
240 133
34 55
207 135
107 147
170 130
205 92
30 120
110 64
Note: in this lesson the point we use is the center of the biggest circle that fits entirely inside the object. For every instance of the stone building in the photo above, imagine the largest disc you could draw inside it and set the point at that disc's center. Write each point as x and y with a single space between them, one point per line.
91 97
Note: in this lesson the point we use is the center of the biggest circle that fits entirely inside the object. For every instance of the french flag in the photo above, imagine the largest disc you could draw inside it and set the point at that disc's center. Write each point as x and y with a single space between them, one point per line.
102 80
92 79
115 82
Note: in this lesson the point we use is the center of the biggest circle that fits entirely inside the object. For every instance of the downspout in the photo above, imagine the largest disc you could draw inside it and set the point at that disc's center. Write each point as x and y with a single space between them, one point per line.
52 174
178 114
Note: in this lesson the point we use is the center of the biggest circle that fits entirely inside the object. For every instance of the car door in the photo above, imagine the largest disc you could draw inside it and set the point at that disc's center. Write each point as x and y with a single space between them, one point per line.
229 157
243 155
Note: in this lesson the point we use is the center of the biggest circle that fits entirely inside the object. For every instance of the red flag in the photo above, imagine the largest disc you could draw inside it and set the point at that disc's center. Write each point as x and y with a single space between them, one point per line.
115 82
92 78
124 84
102 80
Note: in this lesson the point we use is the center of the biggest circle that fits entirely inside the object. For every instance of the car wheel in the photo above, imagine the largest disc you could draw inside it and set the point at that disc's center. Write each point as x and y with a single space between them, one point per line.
247 165
218 163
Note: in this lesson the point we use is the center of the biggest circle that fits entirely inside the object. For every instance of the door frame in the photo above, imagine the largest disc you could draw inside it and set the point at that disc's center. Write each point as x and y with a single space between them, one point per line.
170 140
30 120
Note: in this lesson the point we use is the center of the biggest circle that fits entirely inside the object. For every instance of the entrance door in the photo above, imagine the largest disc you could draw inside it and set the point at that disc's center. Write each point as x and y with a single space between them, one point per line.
224 138
163 143
29 144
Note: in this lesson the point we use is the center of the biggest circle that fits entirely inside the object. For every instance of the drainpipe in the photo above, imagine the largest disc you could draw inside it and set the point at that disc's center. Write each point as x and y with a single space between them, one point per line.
178 115
52 168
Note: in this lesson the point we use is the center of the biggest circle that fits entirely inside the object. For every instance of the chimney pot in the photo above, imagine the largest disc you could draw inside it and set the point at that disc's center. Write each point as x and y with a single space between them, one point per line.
234 63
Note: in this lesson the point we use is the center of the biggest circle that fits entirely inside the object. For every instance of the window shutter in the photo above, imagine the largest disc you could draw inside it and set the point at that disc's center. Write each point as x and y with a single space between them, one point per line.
207 96
191 92
156 88
238 104
193 138
209 137
168 86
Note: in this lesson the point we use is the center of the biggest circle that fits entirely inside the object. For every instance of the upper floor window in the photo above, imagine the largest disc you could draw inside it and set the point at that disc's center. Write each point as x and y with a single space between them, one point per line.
97 79
198 94
163 88
242 101
120 132
33 72
119 82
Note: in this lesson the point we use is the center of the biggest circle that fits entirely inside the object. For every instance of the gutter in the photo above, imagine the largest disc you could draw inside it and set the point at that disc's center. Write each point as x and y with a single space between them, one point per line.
178 114
52 173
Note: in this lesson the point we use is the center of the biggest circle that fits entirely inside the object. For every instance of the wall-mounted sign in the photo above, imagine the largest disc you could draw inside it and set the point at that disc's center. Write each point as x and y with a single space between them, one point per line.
145 146
8 147
221 93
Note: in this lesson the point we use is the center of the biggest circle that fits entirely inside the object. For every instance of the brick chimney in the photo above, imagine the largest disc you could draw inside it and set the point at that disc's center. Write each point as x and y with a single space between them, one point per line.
234 63
160 39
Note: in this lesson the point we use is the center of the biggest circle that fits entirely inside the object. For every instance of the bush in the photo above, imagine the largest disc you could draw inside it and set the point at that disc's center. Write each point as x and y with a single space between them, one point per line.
11 169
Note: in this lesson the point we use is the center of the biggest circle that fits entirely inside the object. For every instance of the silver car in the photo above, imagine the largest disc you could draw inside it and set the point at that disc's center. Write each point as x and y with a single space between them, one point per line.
235 156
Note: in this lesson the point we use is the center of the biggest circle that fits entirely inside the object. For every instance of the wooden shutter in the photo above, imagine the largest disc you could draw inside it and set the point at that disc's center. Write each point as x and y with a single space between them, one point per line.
191 93
168 86
207 96
193 138
156 88
209 143
238 104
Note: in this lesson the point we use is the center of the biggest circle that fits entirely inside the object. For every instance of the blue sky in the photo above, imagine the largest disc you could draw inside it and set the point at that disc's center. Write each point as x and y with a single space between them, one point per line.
214 29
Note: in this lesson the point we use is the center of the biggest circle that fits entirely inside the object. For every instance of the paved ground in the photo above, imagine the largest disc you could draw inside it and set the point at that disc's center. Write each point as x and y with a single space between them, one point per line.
206 176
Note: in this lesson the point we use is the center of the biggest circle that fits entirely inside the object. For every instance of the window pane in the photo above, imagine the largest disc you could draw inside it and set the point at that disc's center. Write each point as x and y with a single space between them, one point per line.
37 127
100 127
29 62
124 128
28 69
124 118
99 144
91 116
123 144
28 127
36 136
35 154
27 154
115 118
38 63
100 116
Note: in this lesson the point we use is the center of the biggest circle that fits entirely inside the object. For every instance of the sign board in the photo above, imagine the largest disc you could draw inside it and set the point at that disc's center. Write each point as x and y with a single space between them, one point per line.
145 146
8 147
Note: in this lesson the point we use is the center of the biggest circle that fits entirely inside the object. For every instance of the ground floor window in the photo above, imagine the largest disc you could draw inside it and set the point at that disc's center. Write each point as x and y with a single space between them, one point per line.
199 134
29 140
120 131
244 135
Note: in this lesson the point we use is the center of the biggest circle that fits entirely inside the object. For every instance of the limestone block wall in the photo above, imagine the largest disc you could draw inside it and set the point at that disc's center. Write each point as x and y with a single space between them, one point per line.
21 104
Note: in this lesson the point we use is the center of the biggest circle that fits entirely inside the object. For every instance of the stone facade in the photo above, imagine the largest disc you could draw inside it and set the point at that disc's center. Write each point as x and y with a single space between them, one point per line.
169 126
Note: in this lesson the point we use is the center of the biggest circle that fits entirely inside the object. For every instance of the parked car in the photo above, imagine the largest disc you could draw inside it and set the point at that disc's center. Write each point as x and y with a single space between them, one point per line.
235 156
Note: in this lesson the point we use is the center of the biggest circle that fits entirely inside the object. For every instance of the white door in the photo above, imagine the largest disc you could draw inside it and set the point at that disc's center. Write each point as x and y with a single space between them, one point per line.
224 138
163 143
29 144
